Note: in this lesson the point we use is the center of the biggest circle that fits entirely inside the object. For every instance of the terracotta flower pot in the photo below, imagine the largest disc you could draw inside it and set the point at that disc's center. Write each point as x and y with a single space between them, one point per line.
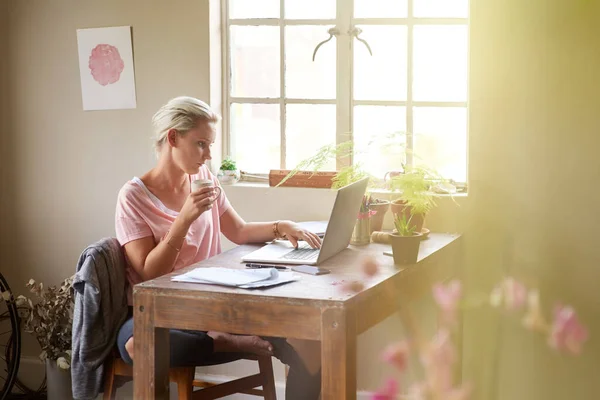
380 208
399 207
405 249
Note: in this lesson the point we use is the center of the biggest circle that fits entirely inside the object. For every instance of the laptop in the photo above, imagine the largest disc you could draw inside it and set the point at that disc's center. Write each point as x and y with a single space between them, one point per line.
337 235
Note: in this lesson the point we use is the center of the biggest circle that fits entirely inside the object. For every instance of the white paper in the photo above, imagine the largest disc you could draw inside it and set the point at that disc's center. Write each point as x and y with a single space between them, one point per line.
282 277
106 68
232 277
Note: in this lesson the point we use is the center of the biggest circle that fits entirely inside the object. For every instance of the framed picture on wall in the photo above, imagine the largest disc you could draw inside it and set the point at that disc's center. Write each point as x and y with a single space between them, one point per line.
106 68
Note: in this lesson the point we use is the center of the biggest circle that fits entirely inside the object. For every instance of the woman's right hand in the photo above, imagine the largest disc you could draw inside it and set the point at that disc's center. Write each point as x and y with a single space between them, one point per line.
197 203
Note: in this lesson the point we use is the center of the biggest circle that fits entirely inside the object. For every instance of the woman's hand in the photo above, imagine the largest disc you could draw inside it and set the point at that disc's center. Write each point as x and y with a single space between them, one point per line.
197 203
294 233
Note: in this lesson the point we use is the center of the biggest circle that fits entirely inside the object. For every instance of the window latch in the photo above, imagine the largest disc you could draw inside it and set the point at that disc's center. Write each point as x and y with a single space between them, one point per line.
332 32
357 31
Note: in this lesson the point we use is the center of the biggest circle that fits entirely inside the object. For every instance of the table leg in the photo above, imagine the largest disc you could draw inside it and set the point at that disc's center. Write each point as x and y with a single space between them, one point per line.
151 352
338 354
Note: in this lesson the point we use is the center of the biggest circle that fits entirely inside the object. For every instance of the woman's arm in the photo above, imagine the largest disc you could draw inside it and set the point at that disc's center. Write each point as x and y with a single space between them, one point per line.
239 231
150 260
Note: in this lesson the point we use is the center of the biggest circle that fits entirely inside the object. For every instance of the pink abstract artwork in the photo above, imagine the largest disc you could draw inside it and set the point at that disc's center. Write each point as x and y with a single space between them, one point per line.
106 64
106 68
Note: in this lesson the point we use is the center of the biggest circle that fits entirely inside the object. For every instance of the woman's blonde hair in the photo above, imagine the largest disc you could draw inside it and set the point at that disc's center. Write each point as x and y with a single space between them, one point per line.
182 114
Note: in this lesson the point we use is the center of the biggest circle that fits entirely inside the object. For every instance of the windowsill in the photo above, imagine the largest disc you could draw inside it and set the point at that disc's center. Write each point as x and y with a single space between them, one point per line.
265 185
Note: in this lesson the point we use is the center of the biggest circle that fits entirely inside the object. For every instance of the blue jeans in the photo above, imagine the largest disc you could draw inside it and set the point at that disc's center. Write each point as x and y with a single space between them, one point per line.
300 385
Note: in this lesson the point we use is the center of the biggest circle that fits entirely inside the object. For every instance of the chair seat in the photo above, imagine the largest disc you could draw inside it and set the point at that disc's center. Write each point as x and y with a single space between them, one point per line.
184 377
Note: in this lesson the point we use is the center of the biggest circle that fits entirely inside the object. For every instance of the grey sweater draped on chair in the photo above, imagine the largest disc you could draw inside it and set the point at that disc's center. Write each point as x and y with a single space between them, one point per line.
100 310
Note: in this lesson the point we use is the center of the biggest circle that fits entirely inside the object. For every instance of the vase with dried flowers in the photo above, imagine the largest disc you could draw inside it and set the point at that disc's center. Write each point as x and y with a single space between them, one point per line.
49 318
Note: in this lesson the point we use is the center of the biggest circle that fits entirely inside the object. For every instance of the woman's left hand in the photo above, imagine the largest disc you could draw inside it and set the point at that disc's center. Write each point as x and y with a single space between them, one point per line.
293 232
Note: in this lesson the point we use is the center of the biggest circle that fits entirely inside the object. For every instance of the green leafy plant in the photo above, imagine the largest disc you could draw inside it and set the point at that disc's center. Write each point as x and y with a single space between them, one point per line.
322 157
403 225
347 175
415 187
228 165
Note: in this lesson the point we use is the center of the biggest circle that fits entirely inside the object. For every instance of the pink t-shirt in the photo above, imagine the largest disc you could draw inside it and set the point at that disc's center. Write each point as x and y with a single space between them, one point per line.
140 214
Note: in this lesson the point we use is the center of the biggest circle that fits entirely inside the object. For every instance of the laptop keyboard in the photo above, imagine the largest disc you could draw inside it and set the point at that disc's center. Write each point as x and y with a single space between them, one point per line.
301 254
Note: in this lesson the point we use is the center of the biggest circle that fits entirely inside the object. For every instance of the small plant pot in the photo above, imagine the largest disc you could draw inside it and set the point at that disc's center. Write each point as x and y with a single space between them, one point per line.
380 207
399 207
405 249
228 177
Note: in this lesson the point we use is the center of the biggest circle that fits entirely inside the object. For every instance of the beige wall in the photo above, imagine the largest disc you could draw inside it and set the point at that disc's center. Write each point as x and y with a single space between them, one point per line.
69 164
534 123
5 145
63 167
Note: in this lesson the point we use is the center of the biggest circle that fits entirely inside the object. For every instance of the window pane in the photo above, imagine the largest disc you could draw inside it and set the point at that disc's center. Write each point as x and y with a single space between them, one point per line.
380 8
255 61
440 63
379 139
255 136
309 9
239 9
440 140
441 8
305 78
383 75
309 127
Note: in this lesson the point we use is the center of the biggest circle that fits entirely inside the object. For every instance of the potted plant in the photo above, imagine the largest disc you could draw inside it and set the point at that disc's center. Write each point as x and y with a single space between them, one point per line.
414 184
416 197
379 207
405 240
228 173
50 319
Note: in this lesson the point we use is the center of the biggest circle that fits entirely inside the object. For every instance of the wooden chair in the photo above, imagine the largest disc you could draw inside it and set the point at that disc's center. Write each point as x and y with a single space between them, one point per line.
184 378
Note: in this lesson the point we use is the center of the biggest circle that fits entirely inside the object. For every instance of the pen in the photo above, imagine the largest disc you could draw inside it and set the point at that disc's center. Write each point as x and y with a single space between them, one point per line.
251 265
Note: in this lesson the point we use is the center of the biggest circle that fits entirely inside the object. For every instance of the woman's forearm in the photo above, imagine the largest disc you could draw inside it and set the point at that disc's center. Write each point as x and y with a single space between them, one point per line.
257 232
161 259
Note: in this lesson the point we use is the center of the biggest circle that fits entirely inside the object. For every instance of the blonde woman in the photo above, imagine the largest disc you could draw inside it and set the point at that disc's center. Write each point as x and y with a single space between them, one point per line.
163 226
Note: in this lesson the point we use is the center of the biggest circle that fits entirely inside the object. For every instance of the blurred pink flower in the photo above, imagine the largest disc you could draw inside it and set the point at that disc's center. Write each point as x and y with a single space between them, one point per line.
397 355
438 359
567 333
354 286
370 266
388 392
460 393
447 297
534 319
510 293
420 391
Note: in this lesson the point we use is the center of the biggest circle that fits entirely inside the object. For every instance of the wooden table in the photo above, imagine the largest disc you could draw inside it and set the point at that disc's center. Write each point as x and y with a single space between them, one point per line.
314 307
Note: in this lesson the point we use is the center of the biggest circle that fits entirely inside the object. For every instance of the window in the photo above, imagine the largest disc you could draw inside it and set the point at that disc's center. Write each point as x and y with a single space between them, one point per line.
281 106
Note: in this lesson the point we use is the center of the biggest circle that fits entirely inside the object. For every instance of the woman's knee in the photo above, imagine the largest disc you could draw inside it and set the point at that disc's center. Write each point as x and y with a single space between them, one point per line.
125 341
129 348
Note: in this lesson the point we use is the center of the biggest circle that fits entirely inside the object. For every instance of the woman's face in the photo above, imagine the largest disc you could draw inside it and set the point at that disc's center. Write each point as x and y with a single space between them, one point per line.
192 149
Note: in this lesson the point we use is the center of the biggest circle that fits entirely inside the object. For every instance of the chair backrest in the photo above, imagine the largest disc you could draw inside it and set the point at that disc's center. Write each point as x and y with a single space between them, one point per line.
100 310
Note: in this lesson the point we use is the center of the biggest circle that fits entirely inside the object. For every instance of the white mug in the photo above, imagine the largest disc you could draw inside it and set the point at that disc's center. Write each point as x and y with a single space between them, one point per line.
200 183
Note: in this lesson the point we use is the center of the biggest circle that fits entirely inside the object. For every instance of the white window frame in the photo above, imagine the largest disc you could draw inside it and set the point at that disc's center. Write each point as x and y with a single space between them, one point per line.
344 101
